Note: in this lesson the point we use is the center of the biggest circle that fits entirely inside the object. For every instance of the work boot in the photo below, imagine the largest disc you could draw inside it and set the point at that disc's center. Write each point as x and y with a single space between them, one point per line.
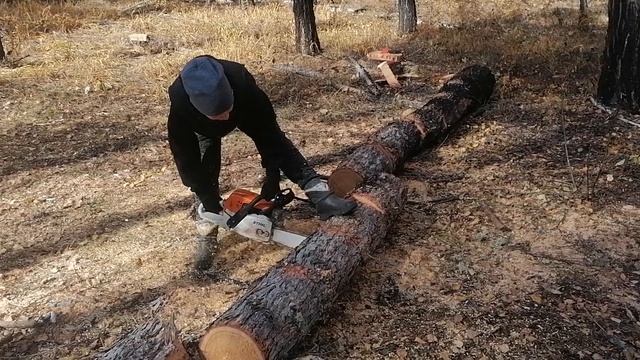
326 202
206 245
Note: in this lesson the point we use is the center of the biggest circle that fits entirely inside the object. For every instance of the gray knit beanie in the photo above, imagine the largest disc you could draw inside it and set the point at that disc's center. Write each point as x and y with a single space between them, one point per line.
209 90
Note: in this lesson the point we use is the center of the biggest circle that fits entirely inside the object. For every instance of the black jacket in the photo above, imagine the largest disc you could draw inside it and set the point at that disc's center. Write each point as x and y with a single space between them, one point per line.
195 139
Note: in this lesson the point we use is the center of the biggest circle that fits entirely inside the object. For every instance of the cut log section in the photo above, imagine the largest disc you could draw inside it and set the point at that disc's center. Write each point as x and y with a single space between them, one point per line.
156 340
388 74
282 308
389 147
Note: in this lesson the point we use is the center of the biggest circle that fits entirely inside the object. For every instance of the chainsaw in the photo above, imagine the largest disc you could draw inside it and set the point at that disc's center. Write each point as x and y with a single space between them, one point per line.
251 215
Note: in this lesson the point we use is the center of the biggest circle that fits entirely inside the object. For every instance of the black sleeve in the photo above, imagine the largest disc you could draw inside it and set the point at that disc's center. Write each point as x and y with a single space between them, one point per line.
185 149
276 150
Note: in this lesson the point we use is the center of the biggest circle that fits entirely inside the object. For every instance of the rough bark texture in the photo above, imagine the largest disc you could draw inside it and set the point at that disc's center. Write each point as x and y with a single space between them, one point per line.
619 83
389 147
584 7
154 340
284 305
307 41
408 17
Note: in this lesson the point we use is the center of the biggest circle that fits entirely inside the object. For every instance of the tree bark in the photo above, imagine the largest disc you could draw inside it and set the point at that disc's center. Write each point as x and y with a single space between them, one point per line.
3 55
156 340
307 41
619 83
408 17
283 307
280 309
584 7
389 147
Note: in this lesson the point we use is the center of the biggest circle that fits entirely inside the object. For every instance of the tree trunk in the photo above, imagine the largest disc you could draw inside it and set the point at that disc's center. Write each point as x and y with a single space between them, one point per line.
156 339
584 6
282 308
619 83
408 17
2 53
307 41
390 146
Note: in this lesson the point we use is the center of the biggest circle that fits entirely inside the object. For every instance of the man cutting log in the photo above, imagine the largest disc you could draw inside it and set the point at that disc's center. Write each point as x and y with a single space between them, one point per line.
209 99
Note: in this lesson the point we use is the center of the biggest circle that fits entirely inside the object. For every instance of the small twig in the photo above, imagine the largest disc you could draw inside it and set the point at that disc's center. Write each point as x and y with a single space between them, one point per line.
317 75
566 151
436 200
443 199
614 114
594 321
494 218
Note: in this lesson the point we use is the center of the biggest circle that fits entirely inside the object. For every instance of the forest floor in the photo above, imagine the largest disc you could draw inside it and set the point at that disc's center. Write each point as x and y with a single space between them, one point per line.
535 254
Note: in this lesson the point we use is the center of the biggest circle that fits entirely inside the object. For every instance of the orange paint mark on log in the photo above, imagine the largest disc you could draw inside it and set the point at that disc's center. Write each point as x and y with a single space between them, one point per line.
296 271
368 201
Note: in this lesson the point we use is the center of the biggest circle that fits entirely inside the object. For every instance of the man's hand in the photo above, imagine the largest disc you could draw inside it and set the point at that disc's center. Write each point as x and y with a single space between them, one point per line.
271 185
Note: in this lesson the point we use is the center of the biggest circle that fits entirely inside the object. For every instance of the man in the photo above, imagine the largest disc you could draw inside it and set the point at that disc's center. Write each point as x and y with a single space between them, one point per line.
209 99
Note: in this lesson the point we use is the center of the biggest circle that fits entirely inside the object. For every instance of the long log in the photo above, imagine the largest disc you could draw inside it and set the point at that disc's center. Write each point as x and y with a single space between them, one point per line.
283 306
388 148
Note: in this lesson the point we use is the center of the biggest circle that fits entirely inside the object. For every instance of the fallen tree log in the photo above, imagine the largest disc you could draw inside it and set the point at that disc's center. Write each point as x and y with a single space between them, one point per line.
388 148
155 340
282 307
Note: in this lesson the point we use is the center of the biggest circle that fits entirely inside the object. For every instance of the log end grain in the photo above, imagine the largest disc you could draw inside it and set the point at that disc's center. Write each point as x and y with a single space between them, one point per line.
229 343
344 180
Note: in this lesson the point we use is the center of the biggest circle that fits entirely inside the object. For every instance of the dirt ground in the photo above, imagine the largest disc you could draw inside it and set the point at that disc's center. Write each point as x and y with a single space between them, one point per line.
520 240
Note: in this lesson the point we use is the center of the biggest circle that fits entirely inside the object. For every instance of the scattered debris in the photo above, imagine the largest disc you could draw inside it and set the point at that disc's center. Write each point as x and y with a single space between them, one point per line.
613 113
385 55
139 38
364 75
388 75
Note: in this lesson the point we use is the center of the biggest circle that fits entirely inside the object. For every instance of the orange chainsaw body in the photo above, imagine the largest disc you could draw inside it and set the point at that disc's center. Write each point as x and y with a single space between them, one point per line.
241 197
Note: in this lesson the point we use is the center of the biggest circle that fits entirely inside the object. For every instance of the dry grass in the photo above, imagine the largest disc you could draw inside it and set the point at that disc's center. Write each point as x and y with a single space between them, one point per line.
27 19
256 36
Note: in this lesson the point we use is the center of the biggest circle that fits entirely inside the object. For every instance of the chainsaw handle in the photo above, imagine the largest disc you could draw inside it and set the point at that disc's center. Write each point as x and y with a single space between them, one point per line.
243 212
283 198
